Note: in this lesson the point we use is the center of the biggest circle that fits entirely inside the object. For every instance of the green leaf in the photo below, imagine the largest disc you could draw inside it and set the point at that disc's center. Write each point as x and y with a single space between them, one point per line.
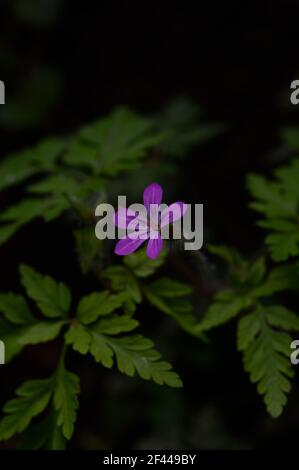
52 298
141 265
288 176
20 166
266 356
82 154
15 308
257 271
20 214
101 350
66 402
243 274
32 398
281 317
15 337
280 278
228 254
221 312
56 205
16 168
7 231
278 225
169 288
123 281
133 354
283 245
272 199
40 332
44 434
98 304
278 201
248 327
9 334
115 144
172 298
79 338
115 324
24 211
56 184
55 438
46 152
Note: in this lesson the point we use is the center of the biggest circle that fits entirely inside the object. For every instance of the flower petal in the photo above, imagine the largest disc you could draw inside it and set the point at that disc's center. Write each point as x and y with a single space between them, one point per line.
127 245
174 212
154 248
152 195
123 217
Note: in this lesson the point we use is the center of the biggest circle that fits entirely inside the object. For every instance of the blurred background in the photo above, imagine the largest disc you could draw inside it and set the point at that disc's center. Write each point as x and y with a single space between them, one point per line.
65 64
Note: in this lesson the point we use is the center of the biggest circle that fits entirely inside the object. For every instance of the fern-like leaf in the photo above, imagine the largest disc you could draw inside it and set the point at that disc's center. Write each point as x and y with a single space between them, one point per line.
32 399
266 352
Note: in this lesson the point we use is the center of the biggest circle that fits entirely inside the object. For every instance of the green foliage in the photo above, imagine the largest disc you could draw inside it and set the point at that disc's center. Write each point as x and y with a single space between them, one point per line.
141 266
69 168
101 328
65 400
98 325
15 308
52 298
278 201
225 307
32 398
74 174
71 172
173 298
167 295
44 434
114 144
127 279
281 278
17 168
98 304
10 337
266 349
19 327
266 352
132 353
123 281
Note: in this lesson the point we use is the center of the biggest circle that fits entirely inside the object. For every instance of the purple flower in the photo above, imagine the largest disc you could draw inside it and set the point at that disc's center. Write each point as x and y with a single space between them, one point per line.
148 224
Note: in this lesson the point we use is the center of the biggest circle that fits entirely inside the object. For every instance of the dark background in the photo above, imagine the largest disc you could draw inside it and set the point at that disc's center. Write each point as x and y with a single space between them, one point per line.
67 63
